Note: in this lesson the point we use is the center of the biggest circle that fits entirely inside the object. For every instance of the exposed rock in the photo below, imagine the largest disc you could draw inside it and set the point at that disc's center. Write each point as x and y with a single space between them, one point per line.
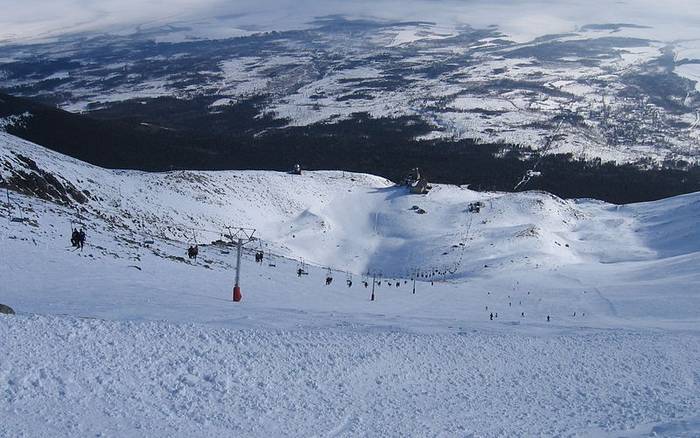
34 181
7 310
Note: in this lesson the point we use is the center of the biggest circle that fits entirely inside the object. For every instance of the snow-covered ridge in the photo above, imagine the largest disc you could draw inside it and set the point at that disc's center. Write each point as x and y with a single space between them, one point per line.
361 222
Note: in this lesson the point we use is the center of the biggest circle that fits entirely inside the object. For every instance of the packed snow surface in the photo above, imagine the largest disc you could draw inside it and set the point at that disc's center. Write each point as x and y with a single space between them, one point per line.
129 337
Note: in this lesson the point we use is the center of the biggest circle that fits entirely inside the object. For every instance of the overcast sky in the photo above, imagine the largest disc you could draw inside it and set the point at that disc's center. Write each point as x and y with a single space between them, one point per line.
522 19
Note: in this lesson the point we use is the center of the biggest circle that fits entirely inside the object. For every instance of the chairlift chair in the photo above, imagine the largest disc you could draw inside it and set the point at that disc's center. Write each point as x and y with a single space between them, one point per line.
329 277
222 243
193 250
301 268
259 254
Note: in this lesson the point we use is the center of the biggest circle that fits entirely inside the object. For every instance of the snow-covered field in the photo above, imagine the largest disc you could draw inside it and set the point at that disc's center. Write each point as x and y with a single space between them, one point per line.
130 338
626 91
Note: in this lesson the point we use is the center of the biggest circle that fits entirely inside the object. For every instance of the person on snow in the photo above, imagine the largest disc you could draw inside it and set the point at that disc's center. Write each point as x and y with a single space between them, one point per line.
75 238
192 252
547 318
491 316
81 238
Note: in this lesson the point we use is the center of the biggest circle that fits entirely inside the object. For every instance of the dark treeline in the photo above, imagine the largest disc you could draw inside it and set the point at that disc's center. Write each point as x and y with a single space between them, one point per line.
166 134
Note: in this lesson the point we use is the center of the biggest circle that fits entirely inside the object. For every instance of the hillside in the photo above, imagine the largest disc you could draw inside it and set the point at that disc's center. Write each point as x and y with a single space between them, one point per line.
147 341
236 138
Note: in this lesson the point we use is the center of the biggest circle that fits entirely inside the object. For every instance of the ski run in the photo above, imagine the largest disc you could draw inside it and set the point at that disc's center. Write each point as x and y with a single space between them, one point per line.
532 315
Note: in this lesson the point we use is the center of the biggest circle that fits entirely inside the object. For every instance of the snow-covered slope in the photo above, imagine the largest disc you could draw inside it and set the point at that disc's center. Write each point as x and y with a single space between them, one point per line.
620 284
359 222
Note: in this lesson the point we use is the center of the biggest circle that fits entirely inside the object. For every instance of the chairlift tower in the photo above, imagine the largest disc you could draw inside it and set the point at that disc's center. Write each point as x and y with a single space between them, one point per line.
239 236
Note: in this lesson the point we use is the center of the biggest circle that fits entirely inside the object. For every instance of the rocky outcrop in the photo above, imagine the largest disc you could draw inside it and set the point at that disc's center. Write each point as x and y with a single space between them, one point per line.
26 177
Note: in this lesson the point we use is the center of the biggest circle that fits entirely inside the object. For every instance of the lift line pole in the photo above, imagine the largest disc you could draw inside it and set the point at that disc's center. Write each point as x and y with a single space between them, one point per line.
239 236
237 284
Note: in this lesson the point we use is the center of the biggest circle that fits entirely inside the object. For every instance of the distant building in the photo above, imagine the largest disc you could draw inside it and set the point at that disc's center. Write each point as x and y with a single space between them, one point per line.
416 183
420 187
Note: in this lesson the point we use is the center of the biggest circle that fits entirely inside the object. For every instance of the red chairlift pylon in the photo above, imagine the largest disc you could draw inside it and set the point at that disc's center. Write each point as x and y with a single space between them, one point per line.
240 236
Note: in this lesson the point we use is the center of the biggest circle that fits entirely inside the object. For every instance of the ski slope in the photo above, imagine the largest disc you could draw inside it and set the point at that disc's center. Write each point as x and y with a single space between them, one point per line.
130 338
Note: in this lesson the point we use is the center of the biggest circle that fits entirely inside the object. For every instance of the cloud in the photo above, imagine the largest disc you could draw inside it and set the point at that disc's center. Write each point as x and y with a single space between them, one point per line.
525 19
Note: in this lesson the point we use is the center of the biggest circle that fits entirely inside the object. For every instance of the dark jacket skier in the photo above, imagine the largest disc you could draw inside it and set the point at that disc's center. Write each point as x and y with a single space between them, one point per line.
81 237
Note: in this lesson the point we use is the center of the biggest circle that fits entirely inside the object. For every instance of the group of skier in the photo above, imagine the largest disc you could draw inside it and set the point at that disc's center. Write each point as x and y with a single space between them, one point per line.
493 315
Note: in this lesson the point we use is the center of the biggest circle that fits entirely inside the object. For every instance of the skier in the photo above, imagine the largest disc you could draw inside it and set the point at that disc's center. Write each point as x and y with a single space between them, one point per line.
299 272
329 280
522 314
75 238
491 316
81 238
547 318
192 252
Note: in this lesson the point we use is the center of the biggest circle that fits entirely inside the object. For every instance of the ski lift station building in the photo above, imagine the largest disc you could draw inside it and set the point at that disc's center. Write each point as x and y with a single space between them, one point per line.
417 184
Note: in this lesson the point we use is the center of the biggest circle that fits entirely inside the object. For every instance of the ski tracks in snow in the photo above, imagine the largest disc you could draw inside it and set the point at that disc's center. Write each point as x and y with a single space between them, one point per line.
88 376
